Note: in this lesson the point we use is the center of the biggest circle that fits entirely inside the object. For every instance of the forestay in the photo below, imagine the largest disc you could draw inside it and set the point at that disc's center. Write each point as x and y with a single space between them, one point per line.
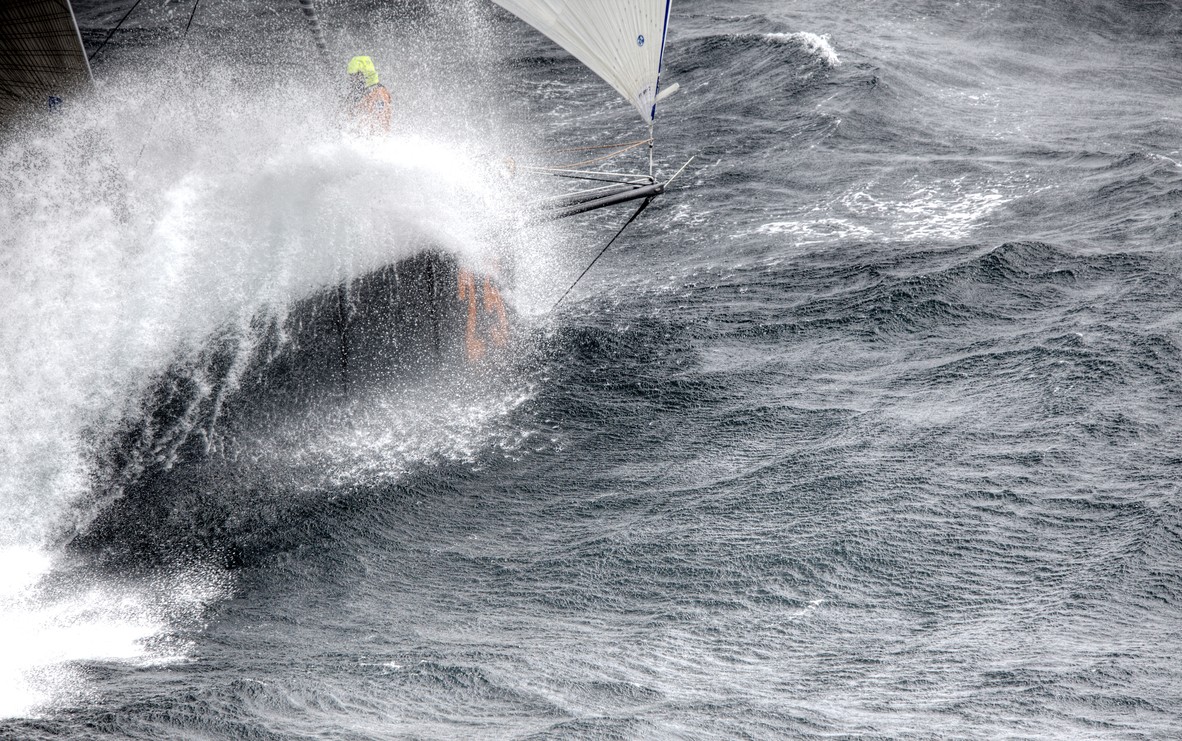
622 41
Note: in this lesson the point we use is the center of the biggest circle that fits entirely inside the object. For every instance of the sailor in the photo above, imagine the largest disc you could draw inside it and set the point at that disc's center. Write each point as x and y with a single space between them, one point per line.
370 107
495 324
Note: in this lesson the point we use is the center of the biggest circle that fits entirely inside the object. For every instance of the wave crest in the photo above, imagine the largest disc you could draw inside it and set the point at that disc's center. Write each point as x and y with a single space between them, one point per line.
819 45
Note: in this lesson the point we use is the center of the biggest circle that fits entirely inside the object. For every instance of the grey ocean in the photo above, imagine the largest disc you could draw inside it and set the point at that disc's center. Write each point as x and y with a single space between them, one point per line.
870 427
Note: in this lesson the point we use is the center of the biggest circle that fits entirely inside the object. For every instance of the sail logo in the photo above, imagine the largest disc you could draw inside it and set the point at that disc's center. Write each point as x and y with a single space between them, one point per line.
640 40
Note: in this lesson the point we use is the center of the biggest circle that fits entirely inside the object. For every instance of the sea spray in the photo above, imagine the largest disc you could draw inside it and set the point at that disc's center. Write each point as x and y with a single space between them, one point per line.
137 231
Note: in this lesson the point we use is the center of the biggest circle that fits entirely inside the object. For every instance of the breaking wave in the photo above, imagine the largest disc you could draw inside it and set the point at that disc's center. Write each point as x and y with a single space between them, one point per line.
818 44
138 234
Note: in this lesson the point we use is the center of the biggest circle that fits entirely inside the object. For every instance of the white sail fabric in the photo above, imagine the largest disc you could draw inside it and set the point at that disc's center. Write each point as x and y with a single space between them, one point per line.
41 53
622 41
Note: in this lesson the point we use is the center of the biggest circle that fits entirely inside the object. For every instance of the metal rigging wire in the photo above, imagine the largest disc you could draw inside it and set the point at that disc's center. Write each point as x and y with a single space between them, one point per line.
111 33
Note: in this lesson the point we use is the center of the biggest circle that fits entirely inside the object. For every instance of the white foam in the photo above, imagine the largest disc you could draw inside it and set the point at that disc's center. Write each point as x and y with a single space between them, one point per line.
940 210
50 634
377 439
819 44
817 231
1163 157
808 609
20 570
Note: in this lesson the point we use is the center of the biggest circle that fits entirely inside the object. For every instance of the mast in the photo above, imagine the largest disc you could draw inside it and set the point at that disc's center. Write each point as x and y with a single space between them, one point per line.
309 8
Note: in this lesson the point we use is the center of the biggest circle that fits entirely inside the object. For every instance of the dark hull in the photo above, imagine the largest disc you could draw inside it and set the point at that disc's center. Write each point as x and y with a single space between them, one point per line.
383 328
174 483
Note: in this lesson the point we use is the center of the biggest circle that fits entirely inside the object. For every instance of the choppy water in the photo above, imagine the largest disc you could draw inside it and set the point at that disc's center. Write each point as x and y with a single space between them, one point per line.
869 428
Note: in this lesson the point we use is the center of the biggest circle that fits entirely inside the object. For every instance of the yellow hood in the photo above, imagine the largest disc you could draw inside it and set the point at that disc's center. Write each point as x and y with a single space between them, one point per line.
364 66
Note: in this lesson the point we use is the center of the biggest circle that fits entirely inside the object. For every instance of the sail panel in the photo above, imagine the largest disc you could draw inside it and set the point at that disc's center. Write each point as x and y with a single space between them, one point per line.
622 41
41 53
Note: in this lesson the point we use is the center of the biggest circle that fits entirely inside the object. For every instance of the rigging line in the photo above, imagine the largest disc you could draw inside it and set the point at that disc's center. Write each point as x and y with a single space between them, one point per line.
126 15
193 13
156 116
612 241
603 177
589 148
601 158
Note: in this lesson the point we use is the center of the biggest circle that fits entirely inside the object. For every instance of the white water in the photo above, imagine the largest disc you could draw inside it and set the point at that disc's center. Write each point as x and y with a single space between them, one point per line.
118 262
819 45
51 632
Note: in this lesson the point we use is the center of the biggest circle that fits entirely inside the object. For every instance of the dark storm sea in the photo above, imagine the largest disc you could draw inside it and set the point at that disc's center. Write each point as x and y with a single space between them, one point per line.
871 427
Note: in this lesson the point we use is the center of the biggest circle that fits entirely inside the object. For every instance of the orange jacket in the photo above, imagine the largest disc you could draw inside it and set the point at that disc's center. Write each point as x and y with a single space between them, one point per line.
372 111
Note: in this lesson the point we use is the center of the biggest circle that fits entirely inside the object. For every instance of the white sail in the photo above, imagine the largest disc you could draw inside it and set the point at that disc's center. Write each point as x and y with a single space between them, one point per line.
41 53
622 41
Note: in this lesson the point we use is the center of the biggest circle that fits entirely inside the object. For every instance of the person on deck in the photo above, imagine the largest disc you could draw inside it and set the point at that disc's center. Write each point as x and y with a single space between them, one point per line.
370 107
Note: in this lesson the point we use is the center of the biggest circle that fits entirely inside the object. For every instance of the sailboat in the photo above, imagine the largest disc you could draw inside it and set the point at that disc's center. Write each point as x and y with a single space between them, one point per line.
366 333
43 61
